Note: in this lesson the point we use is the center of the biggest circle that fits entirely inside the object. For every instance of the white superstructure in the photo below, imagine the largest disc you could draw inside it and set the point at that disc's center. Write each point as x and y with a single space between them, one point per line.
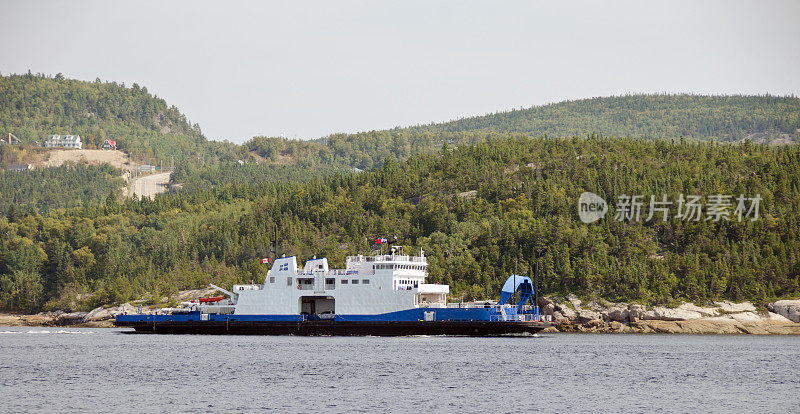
367 285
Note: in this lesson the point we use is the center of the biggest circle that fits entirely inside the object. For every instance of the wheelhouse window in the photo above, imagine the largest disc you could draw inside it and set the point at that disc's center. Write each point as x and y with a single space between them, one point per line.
344 281
365 281
355 281
305 283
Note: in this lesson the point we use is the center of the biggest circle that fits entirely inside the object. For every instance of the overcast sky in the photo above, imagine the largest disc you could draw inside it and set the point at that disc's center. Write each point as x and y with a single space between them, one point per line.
309 69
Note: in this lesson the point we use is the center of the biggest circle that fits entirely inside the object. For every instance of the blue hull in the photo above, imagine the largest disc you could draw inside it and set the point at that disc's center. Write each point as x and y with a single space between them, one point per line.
444 321
409 315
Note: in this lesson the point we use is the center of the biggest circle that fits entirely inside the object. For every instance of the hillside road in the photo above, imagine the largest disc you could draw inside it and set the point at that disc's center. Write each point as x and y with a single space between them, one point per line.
150 185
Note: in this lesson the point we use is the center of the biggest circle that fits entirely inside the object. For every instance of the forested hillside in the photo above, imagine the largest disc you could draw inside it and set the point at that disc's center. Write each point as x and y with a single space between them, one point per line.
478 211
766 119
660 116
33 107
60 187
280 159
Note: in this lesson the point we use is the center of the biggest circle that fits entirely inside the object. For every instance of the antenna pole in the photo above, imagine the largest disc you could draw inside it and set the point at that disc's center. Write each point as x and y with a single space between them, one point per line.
276 240
516 269
536 282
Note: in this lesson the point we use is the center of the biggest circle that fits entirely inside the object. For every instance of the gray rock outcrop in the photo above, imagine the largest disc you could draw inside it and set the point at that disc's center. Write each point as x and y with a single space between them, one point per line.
576 303
636 312
731 307
725 317
568 314
72 318
588 316
790 309
616 314
660 313
546 306
705 312
104 314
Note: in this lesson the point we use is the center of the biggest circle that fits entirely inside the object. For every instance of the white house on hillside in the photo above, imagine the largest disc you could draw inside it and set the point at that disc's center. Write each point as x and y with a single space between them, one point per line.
64 141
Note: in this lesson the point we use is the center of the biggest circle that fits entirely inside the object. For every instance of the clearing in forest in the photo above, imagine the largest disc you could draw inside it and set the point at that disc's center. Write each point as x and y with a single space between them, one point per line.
58 157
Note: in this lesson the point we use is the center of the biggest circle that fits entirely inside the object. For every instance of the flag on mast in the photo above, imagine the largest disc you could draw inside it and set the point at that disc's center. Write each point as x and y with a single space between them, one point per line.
381 240
265 260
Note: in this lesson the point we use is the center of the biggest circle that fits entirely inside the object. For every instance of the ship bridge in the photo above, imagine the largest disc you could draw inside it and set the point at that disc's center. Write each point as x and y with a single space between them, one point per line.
404 271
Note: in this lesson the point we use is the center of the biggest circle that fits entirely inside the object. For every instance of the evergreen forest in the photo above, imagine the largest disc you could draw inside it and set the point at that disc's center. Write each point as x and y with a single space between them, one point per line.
480 212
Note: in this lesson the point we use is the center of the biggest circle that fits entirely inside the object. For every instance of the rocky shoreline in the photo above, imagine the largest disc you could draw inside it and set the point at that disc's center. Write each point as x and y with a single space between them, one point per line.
100 317
568 314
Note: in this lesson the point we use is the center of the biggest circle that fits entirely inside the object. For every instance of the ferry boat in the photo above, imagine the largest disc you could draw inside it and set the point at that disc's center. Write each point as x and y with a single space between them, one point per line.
382 295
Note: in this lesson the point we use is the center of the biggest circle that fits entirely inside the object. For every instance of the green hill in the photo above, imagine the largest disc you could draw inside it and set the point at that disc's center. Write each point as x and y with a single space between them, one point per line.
662 116
762 119
33 107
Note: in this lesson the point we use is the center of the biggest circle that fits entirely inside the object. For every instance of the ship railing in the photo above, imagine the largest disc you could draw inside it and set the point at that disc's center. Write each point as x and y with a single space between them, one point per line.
402 258
336 272
520 317
432 305
527 317
345 272
387 258
477 305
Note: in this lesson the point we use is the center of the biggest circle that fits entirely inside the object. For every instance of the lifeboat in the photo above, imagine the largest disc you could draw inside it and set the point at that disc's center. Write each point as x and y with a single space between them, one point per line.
211 299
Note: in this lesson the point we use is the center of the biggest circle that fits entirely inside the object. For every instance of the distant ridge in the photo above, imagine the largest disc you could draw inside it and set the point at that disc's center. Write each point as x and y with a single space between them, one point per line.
762 119
644 116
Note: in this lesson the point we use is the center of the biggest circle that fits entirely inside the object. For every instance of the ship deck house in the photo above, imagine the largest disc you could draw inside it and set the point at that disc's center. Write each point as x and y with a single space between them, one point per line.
367 285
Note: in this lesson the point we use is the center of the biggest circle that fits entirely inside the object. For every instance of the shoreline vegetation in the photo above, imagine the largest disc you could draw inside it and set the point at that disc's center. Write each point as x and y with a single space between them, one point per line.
568 314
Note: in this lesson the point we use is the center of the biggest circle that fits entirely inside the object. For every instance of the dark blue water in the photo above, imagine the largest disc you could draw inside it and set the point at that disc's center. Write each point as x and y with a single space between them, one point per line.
102 370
